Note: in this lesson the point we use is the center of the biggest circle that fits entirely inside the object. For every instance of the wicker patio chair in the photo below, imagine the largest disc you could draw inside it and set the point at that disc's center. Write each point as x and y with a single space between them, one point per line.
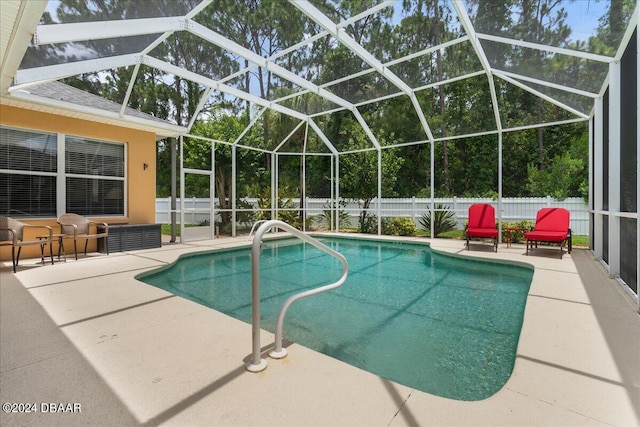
12 234
77 227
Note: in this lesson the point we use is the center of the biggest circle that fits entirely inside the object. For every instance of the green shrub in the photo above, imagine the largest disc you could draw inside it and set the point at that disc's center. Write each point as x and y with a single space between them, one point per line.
291 217
245 217
225 228
369 224
288 210
324 220
443 220
398 226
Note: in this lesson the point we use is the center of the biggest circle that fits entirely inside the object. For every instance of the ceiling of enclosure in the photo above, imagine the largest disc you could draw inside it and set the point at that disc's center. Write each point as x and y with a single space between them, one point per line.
306 60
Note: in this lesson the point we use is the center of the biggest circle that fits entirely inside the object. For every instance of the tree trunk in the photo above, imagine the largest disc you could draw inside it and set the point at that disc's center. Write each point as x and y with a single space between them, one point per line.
364 214
441 94
221 190
615 20
540 138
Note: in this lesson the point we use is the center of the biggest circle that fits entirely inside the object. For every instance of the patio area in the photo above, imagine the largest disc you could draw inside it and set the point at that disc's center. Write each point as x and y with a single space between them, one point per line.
126 353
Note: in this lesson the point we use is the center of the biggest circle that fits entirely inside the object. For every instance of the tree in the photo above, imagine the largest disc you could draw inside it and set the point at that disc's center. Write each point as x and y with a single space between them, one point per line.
167 97
540 21
225 128
463 167
359 172
565 176
428 23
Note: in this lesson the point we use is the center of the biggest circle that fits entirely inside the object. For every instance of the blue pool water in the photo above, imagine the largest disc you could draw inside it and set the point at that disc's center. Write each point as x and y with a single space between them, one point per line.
441 324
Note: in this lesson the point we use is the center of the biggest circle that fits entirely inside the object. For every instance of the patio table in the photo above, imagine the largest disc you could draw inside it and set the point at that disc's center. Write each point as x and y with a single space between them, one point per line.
510 230
60 239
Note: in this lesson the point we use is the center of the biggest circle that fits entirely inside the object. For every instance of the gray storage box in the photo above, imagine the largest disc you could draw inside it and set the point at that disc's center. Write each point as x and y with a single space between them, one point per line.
131 237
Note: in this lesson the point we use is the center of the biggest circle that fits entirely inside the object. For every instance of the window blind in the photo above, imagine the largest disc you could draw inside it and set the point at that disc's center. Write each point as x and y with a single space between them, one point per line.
28 151
86 157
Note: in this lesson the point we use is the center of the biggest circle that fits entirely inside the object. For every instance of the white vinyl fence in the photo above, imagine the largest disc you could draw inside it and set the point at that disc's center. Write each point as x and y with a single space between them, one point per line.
513 209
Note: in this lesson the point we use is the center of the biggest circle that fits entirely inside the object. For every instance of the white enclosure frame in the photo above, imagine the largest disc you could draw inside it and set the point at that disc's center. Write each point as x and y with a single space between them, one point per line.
18 83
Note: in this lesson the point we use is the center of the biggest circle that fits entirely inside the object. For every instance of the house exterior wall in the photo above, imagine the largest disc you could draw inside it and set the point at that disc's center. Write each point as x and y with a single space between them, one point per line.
140 182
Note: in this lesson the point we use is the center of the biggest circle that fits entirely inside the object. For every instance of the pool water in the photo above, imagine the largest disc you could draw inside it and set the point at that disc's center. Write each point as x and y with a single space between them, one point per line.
441 324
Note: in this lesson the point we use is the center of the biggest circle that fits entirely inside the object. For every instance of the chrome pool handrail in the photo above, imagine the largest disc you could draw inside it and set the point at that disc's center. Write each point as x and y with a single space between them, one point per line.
256 363
253 227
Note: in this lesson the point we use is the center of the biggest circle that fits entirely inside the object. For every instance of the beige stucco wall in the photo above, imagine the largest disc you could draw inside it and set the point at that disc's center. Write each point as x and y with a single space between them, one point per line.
140 149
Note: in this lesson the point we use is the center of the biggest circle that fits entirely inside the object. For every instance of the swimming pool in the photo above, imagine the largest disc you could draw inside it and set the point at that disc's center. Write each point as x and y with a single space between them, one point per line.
442 324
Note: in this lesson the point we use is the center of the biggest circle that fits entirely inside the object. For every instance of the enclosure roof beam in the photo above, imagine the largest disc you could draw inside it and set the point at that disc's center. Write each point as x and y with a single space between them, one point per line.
29 76
341 35
203 100
502 73
96 30
134 75
219 40
477 47
547 48
60 33
249 126
286 138
127 95
633 25
399 61
465 137
207 82
83 31
545 97
15 40
366 128
421 117
309 40
32 76
544 125
427 51
326 112
230 144
450 80
322 137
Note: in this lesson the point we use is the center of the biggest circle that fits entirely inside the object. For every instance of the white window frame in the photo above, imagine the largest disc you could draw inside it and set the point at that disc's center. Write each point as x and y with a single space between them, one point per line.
61 202
61 175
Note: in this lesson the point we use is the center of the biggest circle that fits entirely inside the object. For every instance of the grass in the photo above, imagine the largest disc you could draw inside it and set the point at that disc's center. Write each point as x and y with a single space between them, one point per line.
582 241
453 234
578 241
166 229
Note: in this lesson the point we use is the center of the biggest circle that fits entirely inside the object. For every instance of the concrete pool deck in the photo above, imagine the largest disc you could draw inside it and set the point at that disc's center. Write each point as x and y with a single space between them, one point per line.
86 332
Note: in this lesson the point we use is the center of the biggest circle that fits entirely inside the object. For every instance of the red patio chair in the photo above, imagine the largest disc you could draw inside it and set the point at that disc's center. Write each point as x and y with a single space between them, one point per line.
552 226
482 223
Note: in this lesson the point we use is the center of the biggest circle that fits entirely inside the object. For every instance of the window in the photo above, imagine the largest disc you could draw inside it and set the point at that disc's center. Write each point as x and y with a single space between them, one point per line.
28 173
93 179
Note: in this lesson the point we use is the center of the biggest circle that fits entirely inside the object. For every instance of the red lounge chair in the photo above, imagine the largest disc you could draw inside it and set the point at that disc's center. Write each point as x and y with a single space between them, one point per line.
552 226
482 223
